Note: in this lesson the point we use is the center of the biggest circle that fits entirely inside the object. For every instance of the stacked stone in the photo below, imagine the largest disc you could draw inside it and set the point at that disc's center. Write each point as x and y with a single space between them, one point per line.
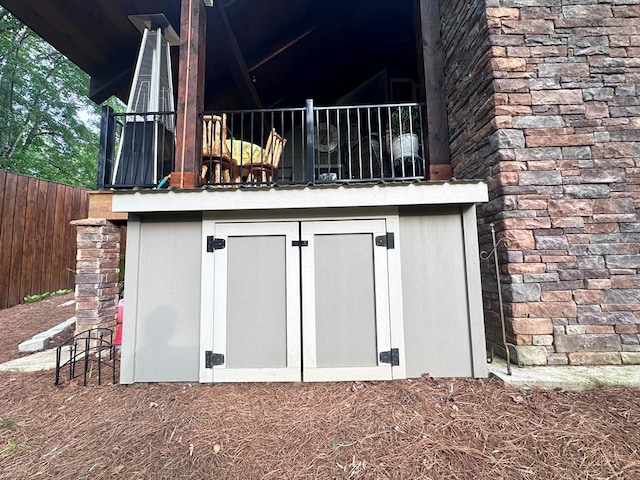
469 91
565 191
97 268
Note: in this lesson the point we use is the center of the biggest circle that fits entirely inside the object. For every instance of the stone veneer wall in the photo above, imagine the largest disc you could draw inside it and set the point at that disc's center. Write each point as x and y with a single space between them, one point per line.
565 186
97 268
476 139
468 78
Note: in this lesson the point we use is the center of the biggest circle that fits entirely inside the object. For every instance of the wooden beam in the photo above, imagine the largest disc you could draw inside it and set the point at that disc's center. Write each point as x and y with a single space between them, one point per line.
190 94
430 52
100 206
237 63
280 50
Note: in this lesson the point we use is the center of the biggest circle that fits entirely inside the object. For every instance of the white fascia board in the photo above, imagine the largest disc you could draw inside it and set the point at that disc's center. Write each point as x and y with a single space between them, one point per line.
275 198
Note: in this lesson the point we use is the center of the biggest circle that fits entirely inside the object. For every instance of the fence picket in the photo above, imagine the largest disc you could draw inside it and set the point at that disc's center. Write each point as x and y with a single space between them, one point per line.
37 242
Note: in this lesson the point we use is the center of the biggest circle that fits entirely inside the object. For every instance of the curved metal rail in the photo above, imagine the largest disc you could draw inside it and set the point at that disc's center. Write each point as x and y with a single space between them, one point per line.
88 348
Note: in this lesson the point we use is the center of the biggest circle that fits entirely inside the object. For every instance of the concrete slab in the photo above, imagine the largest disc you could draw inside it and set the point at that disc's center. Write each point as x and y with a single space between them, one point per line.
566 377
40 340
56 329
45 360
34 344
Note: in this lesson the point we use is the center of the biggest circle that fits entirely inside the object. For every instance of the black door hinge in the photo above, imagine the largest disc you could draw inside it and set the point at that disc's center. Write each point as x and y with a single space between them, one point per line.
299 243
391 356
212 359
215 243
387 240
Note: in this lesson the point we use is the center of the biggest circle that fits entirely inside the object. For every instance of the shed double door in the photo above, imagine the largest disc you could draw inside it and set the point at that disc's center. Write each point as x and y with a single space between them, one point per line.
296 301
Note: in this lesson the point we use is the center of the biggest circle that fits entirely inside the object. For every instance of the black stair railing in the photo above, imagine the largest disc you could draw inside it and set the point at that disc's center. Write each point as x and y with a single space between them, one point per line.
86 352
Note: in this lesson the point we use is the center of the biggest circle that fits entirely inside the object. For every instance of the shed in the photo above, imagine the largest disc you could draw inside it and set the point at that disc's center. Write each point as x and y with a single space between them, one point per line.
538 98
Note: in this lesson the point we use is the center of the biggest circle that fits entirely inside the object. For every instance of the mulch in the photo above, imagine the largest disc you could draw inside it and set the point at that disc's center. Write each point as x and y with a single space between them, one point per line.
411 429
22 322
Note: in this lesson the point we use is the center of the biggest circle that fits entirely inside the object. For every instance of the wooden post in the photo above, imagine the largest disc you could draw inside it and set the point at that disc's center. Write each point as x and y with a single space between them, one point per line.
190 94
430 52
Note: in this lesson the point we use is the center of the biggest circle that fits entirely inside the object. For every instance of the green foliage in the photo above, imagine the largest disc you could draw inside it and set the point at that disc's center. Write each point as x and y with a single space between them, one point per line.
7 424
41 296
9 450
49 128
405 119
121 266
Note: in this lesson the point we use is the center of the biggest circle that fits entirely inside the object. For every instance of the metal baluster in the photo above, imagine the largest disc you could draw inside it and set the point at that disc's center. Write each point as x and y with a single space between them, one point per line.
349 165
309 146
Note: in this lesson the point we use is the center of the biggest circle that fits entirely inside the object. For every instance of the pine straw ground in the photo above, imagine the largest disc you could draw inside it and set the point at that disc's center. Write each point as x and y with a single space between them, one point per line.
411 429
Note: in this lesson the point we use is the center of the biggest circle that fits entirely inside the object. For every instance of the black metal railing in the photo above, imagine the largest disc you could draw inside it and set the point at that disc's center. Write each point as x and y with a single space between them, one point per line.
136 150
368 143
87 353
240 145
304 145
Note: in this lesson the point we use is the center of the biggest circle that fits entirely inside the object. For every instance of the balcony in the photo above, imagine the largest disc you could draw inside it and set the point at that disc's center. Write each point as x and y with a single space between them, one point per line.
268 147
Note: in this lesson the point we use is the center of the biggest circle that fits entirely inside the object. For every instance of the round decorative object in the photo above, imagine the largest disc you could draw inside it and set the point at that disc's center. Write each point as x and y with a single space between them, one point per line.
405 145
325 138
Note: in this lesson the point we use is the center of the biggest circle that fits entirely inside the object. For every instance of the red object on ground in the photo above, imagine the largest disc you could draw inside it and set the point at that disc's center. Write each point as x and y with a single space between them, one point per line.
118 339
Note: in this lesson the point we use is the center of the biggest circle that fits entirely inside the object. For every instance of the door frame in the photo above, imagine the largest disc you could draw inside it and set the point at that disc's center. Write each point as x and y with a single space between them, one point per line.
216 330
310 371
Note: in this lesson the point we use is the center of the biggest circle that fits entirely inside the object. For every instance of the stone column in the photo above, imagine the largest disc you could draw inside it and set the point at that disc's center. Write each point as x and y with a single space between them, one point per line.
97 267
565 191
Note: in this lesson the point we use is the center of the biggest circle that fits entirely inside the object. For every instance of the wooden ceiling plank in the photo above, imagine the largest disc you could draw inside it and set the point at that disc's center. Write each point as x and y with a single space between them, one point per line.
121 31
48 21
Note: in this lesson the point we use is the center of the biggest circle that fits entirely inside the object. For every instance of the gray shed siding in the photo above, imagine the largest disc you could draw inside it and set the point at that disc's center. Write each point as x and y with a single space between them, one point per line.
435 288
161 332
435 264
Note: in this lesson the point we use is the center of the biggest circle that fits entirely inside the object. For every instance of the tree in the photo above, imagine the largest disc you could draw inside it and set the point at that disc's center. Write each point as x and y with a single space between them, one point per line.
48 126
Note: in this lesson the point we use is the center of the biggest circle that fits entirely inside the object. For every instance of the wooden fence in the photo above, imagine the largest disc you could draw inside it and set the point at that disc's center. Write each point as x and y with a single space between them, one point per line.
37 242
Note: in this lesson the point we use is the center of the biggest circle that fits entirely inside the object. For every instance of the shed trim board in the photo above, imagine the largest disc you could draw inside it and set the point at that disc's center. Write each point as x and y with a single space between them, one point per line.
301 221
127 354
286 198
215 298
313 258
474 288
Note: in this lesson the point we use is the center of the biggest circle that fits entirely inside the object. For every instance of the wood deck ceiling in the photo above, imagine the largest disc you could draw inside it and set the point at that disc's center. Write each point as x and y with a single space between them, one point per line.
260 53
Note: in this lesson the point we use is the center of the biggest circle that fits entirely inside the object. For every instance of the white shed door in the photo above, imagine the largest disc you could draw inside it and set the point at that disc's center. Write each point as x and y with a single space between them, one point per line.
256 312
345 301
254 281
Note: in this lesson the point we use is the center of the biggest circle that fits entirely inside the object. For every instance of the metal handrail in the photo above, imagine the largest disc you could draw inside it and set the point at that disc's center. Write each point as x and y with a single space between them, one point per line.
324 144
81 346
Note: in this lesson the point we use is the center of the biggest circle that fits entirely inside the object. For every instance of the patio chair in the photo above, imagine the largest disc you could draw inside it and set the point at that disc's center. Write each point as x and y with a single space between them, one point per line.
267 168
216 158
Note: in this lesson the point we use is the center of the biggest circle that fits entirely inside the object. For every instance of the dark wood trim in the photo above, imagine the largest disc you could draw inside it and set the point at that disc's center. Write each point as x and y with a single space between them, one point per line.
281 49
193 45
431 68
440 172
